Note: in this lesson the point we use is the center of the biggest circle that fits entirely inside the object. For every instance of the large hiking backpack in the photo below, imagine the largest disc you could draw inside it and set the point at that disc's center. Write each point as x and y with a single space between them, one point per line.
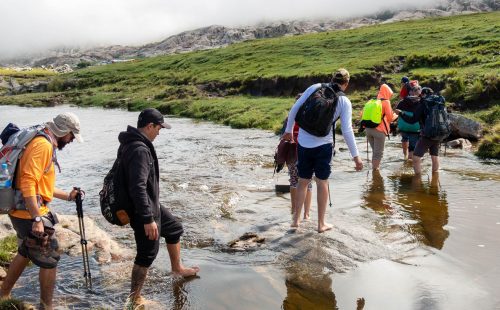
437 122
372 114
316 114
14 142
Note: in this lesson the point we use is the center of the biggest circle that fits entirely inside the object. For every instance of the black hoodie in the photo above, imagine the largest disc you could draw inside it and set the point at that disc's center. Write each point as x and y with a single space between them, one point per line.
141 175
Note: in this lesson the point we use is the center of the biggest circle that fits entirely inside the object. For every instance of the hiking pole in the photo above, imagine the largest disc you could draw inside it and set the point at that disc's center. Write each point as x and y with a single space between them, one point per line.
83 241
329 197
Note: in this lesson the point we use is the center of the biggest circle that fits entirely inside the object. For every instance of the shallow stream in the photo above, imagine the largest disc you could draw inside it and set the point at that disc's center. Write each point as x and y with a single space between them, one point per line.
398 241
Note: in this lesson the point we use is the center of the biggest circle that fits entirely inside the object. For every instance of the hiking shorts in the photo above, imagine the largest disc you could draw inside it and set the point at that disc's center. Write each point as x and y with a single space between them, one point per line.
424 144
294 176
411 138
315 161
168 227
23 227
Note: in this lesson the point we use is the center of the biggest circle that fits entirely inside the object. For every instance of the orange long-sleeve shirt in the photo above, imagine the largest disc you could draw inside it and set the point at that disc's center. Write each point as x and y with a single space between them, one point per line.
32 178
385 92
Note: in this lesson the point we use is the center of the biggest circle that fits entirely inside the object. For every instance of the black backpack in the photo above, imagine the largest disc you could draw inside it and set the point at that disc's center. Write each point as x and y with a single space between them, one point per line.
112 198
437 121
316 114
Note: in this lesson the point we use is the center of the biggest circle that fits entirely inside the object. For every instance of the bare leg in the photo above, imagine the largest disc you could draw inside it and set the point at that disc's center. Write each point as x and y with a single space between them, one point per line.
417 164
174 251
293 195
322 201
375 164
410 155
307 204
435 163
405 146
299 200
139 274
47 283
16 268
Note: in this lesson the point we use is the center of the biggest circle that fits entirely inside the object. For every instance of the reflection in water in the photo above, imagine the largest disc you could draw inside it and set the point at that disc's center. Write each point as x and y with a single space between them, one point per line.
374 195
427 204
308 289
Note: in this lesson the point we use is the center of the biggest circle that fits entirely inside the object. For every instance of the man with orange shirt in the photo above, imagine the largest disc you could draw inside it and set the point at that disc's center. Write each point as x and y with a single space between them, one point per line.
32 219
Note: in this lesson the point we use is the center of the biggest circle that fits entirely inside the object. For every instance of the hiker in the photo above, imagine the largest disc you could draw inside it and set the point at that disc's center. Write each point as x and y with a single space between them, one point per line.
315 152
424 143
293 174
148 218
376 136
404 91
32 219
410 133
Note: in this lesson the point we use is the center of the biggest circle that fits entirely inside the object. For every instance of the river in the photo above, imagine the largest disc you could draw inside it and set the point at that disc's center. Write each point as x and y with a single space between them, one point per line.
398 241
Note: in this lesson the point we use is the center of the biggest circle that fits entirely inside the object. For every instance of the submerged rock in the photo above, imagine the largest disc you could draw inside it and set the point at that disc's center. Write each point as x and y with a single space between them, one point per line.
459 143
248 241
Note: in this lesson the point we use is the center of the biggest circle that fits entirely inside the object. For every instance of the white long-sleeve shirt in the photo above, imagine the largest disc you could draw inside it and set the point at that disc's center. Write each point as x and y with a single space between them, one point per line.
343 111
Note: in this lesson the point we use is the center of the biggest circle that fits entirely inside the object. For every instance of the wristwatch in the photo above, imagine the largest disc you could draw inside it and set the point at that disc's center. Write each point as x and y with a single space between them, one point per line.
36 219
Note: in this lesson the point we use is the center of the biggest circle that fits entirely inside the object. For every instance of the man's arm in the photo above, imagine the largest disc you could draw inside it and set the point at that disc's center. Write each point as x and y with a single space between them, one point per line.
295 108
138 170
347 131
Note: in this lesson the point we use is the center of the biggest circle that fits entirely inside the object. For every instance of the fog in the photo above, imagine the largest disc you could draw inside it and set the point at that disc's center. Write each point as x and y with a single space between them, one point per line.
34 25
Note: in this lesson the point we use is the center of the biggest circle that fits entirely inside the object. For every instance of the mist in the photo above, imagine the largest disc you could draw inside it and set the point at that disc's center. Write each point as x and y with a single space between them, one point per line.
30 26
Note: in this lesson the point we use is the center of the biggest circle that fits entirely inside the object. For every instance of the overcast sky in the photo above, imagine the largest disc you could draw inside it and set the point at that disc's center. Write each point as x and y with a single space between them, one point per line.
33 25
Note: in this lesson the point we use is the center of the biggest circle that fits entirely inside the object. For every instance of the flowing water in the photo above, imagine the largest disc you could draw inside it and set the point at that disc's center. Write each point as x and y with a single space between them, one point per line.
399 241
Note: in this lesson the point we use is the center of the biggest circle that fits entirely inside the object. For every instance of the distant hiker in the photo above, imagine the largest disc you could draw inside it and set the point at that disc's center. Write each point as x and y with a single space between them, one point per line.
317 111
410 132
405 84
148 218
294 176
434 123
376 135
34 190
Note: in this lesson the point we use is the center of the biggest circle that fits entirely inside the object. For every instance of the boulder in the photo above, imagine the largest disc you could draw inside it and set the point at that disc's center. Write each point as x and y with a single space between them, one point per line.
459 143
463 127
247 242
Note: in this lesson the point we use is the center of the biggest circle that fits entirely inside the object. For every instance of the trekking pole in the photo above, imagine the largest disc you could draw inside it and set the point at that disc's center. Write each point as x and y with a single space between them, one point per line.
329 197
83 241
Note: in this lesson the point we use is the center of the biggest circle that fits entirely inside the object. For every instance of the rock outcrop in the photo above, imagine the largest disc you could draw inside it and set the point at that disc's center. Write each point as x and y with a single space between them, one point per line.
463 127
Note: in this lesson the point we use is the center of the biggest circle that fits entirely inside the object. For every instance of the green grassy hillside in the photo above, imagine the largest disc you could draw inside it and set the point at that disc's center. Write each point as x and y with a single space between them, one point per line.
252 84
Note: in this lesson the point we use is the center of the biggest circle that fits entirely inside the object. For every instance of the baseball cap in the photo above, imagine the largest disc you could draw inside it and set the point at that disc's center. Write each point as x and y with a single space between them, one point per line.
65 123
405 79
151 115
341 76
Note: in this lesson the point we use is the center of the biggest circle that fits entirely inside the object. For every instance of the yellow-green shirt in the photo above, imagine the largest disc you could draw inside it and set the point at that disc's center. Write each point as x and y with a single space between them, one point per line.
32 178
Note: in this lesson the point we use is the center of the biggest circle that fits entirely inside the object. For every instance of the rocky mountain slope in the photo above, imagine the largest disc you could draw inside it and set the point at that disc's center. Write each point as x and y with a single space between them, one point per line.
220 36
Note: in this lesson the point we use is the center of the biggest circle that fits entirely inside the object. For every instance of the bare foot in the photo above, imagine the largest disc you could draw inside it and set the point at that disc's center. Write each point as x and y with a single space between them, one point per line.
360 303
324 228
306 217
186 272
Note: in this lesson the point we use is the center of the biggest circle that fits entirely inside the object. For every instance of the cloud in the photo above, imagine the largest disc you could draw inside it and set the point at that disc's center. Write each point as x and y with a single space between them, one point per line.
34 25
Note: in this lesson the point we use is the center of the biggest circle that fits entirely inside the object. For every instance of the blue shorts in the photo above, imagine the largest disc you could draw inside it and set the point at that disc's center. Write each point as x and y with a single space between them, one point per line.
314 161
410 137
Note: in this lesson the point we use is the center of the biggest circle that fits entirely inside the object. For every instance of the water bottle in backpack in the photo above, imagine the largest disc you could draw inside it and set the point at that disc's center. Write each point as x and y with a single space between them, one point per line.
6 191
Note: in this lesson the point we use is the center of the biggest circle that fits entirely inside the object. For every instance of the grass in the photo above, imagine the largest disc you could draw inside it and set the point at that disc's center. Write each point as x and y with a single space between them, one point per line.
457 55
8 249
14 304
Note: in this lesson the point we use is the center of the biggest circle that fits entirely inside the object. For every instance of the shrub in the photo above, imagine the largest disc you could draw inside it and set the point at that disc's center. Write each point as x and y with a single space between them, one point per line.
490 145
8 248
432 61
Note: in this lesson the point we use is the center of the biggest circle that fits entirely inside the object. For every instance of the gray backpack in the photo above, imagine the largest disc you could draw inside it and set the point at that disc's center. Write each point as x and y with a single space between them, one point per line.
14 142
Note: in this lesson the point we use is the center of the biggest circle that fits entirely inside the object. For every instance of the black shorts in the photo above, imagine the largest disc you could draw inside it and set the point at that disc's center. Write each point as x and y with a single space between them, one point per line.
424 144
168 227
24 226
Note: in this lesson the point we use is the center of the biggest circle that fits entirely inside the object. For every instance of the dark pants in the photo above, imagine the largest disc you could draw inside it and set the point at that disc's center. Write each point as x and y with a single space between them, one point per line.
168 227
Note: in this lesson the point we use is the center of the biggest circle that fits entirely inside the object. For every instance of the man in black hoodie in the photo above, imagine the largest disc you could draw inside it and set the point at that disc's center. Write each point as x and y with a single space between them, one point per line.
148 218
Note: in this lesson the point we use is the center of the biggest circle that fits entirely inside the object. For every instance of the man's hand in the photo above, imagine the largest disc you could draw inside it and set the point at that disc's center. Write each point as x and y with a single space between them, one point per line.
287 136
38 227
358 162
72 195
151 231
397 111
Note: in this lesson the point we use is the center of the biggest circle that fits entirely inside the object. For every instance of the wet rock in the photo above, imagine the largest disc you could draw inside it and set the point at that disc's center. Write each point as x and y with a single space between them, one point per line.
463 127
248 241
63 69
3 274
459 143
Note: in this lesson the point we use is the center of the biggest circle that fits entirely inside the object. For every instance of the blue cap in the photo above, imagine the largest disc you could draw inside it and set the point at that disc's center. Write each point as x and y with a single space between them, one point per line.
405 79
